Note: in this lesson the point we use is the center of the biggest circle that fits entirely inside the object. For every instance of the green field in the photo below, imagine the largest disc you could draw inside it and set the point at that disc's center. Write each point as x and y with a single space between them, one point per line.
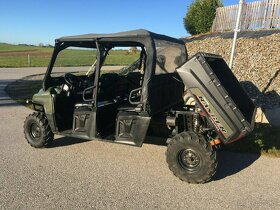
17 56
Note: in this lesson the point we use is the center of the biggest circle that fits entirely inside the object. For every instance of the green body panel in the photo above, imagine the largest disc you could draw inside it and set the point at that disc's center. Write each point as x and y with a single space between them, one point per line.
45 99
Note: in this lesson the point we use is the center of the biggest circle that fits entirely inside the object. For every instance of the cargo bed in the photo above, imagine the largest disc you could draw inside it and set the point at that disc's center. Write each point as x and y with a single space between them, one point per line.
219 94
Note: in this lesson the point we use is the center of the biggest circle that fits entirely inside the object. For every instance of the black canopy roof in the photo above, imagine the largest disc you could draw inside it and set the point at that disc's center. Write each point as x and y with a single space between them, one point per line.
140 34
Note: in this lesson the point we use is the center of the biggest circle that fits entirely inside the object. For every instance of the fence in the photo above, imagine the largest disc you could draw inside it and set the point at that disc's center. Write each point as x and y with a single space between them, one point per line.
255 15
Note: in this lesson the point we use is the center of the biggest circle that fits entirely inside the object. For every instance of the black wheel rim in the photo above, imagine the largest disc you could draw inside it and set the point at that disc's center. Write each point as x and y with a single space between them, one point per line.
189 160
35 131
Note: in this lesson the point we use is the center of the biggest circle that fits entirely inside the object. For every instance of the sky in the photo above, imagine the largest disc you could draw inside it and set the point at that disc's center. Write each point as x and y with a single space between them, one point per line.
42 21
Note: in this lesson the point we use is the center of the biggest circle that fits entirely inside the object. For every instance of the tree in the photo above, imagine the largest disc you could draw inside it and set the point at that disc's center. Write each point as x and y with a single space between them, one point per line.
200 16
132 51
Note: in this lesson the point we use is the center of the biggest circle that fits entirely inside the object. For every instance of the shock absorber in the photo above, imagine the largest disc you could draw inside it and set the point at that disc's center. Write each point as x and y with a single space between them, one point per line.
197 121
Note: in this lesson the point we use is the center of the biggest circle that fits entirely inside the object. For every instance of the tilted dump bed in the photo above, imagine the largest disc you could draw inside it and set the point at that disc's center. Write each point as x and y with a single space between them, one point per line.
219 94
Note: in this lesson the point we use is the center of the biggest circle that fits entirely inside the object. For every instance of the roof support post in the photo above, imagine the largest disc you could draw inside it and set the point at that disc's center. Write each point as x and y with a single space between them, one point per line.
236 30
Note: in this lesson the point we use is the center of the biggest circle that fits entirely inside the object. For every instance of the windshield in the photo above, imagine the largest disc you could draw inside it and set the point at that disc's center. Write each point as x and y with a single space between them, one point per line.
170 55
74 59
123 60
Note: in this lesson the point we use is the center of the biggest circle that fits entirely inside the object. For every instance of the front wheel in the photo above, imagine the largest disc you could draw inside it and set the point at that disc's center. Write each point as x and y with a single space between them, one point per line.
191 158
37 130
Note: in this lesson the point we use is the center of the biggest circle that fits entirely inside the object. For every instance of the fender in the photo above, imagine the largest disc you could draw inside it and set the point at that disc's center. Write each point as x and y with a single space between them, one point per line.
43 101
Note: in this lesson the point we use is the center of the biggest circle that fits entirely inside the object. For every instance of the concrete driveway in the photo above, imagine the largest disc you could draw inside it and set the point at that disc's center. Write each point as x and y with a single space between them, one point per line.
77 174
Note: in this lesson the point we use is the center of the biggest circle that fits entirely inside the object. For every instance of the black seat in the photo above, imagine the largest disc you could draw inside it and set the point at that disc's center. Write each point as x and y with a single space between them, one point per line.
86 106
131 108
165 91
128 107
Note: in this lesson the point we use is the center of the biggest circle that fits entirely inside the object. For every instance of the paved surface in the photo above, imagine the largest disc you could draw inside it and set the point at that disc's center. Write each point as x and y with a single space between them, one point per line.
76 174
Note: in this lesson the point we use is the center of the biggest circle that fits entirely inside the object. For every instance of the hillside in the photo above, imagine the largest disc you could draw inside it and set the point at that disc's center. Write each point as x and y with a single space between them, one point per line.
17 55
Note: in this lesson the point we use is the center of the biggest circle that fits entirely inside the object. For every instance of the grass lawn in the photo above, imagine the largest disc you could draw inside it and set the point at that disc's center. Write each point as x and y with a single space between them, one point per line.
263 140
17 56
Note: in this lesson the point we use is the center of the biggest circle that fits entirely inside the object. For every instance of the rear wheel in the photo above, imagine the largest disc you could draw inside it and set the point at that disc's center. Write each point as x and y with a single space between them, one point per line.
191 158
37 130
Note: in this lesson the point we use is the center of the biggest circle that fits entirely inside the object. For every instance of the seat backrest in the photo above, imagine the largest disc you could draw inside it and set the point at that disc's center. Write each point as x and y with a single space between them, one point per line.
165 91
107 86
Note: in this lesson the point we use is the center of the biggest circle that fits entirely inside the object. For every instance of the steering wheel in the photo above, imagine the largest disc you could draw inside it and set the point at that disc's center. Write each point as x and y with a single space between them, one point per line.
72 80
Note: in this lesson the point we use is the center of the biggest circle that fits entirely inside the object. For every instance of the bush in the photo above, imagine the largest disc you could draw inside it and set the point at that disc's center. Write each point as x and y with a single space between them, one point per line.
200 16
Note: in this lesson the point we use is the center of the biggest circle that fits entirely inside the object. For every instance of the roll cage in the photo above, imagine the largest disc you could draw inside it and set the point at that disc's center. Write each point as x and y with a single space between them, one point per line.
153 48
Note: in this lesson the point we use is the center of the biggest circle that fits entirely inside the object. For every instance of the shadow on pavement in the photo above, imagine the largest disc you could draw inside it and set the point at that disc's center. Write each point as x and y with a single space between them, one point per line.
159 141
230 163
268 100
66 141
23 89
265 139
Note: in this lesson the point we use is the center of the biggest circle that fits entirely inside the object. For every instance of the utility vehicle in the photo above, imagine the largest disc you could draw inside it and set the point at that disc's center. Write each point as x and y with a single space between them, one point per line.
194 103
